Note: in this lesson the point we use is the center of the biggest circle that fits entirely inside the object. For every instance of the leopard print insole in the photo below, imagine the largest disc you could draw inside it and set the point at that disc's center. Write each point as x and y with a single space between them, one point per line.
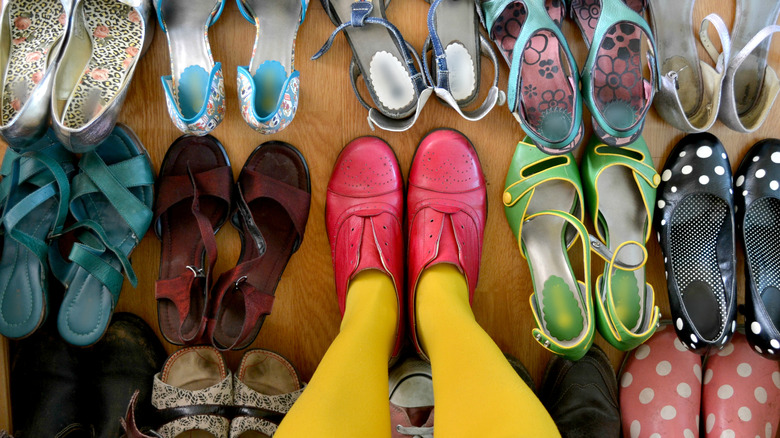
617 74
117 34
547 96
36 26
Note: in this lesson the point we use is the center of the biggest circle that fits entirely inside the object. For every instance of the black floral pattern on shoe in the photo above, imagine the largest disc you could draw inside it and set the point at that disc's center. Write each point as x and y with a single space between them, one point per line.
620 78
529 90
554 100
547 68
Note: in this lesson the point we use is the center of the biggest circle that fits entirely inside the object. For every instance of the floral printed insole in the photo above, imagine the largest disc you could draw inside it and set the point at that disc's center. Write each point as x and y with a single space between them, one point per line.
36 26
547 94
618 84
117 34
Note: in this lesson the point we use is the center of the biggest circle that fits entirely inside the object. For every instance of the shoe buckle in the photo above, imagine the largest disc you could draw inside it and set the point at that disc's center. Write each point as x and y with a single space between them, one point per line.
239 281
197 272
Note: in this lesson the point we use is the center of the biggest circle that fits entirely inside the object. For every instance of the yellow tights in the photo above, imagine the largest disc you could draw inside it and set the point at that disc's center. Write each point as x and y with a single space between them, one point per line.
477 392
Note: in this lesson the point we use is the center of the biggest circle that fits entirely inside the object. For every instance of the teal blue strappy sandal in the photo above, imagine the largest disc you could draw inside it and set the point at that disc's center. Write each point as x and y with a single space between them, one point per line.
34 193
111 200
268 86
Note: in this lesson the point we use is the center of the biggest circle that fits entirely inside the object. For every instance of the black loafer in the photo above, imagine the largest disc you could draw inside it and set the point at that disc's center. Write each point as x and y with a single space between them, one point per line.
582 396
757 204
695 222
125 360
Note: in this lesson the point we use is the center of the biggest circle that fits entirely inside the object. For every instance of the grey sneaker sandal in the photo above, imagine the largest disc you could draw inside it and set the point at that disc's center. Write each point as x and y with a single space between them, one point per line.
689 89
751 86
454 37
384 59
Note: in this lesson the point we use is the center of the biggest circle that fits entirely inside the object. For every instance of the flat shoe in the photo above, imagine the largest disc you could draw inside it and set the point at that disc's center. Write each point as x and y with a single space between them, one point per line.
695 222
757 205
363 210
446 207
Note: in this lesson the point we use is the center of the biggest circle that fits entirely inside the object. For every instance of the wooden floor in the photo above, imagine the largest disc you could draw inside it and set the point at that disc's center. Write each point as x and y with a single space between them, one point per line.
305 316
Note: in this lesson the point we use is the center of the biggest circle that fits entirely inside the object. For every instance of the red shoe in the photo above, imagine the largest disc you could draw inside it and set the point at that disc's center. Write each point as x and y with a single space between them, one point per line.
363 211
446 208
741 395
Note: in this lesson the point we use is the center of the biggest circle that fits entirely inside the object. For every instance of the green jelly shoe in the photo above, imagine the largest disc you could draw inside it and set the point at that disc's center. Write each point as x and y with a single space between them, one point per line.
543 205
620 185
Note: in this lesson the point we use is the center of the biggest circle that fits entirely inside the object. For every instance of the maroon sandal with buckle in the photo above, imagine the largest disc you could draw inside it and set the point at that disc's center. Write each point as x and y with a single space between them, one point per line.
193 201
363 210
446 211
272 196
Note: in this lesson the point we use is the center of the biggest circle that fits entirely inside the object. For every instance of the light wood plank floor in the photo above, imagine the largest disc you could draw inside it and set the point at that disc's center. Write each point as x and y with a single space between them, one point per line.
305 317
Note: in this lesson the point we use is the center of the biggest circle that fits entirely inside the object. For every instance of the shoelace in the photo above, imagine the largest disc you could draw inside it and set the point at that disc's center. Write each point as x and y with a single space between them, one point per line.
415 432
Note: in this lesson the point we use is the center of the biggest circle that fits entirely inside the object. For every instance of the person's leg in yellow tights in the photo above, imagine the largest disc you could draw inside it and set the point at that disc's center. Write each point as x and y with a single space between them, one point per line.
477 392
348 394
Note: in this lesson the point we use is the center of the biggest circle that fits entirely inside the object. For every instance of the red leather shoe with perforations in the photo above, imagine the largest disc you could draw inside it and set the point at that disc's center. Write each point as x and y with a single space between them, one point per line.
363 211
446 211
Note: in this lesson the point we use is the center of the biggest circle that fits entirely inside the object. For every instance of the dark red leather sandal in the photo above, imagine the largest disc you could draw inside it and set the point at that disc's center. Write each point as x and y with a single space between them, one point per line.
446 211
193 201
272 197
363 211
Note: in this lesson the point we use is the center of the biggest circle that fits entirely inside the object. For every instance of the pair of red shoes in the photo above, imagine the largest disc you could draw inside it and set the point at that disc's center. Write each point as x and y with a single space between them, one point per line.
445 212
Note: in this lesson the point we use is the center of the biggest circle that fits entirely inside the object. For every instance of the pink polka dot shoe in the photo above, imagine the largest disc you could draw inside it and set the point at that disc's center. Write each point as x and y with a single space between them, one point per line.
741 395
660 389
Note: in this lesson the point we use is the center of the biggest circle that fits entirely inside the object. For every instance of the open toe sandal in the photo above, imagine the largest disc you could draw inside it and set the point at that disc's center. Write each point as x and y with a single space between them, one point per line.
543 87
111 200
695 222
193 202
33 32
273 193
105 42
751 85
454 37
195 90
268 86
757 205
383 58
619 186
689 89
544 205
613 84
35 192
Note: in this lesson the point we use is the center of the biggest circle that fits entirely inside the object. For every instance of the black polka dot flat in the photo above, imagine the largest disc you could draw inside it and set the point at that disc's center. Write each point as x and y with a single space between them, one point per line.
695 223
757 205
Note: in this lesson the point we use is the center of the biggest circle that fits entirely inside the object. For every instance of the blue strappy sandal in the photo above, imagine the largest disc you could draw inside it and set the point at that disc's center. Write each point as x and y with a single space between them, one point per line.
195 91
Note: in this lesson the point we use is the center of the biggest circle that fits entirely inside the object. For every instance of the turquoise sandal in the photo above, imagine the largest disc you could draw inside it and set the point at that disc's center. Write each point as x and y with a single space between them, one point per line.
268 86
613 86
543 89
620 186
34 192
111 199
195 91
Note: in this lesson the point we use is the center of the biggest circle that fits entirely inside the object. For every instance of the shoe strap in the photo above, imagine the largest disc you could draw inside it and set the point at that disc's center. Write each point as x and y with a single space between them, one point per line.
255 185
248 14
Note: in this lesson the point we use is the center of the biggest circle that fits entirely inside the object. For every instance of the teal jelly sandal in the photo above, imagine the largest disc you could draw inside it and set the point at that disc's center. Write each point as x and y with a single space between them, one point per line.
34 191
613 84
543 204
195 91
620 185
111 199
543 87
268 86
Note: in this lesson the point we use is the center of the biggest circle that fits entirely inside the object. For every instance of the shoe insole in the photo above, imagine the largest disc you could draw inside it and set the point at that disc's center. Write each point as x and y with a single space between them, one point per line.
762 232
277 26
457 29
751 17
88 304
195 371
36 26
618 82
267 375
22 296
116 32
547 98
380 61
185 22
678 52
622 212
695 227
180 236
557 292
